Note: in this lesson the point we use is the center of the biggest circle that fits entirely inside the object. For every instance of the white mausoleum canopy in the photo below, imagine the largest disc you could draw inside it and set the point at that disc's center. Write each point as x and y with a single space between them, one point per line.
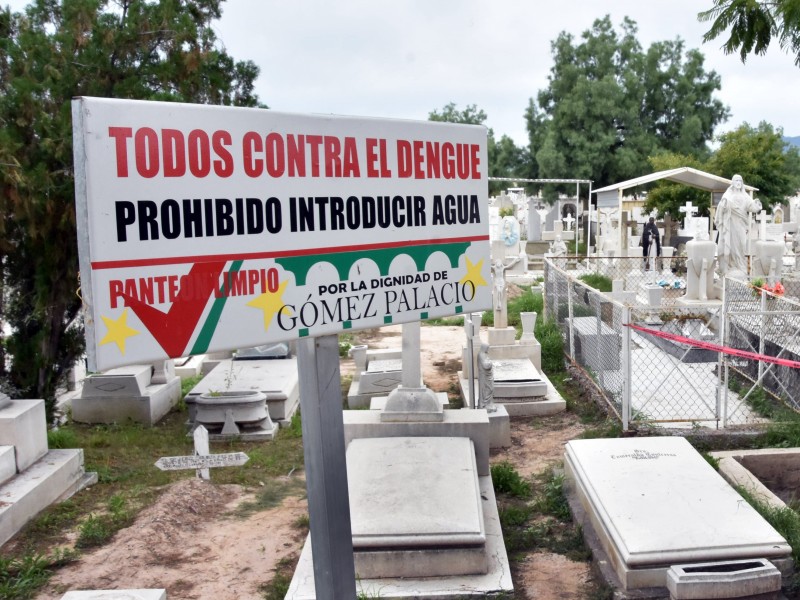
685 175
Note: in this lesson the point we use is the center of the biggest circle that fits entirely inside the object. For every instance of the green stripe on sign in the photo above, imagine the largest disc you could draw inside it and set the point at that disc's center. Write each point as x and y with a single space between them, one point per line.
207 332
383 257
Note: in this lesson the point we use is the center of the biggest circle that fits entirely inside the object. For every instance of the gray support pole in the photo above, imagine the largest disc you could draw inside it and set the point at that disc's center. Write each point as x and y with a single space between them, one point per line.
326 469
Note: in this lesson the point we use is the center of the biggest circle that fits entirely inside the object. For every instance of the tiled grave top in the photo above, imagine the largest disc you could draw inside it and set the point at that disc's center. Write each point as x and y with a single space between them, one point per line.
385 364
268 376
414 492
515 369
662 503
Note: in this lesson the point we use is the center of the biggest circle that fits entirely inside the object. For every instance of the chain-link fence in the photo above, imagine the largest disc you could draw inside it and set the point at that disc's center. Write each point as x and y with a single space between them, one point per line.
757 321
629 341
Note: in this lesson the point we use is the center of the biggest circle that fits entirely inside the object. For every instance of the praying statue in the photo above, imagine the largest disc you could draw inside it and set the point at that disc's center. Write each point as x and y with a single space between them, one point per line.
558 247
499 291
731 220
485 380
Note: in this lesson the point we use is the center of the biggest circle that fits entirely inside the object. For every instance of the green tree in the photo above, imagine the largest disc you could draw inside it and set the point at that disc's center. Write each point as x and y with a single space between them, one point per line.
762 158
753 25
505 159
58 49
471 115
666 197
609 105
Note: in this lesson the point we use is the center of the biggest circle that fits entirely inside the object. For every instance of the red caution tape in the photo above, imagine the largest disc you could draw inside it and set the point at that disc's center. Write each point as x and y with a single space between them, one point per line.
785 362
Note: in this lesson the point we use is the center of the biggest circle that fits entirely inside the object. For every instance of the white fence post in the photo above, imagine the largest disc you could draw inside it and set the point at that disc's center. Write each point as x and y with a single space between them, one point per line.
626 367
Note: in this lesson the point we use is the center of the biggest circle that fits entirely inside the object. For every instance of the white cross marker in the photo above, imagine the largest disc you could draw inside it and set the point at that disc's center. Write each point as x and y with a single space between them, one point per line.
762 225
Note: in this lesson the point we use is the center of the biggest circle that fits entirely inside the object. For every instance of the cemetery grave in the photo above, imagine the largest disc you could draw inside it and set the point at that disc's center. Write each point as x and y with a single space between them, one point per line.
170 535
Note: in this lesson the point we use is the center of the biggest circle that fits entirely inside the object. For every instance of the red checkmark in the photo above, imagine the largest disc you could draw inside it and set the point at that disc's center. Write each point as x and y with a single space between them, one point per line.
173 329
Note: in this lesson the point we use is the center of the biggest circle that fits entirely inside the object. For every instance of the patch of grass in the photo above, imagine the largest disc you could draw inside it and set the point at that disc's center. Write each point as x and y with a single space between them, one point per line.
445 322
123 455
269 495
302 522
514 515
550 497
597 281
507 480
187 385
454 399
345 343
610 428
61 438
21 577
549 336
712 460
346 381
96 530
278 586
786 522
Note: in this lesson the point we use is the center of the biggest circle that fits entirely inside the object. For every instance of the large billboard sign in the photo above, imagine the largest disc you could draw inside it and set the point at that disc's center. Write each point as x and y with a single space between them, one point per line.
205 228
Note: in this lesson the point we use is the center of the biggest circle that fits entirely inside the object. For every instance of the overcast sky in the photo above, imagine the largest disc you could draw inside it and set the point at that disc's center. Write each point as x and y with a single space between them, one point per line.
405 58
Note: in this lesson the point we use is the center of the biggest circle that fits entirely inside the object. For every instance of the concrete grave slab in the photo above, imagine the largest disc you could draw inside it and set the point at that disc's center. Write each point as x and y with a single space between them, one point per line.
8 463
116 595
517 378
470 423
495 582
597 343
277 379
379 402
23 424
127 393
378 504
56 476
636 491
401 530
121 382
189 366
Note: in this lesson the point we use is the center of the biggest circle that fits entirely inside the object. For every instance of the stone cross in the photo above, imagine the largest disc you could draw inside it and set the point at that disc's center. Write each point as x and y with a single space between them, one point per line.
569 220
690 210
762 224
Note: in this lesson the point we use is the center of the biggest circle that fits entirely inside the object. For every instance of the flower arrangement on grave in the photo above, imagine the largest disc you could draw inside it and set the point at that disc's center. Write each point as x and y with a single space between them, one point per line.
758 284
777 289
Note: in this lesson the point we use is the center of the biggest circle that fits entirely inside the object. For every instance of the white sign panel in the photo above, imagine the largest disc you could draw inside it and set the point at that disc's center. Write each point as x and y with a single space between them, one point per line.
207 228
198 461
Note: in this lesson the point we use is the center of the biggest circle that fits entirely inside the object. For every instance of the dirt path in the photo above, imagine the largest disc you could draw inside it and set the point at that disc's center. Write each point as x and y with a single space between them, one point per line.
187 542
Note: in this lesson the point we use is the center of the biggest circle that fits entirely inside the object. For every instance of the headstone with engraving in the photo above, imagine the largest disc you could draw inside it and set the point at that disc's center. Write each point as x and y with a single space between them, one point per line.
634 491
141 393
534 222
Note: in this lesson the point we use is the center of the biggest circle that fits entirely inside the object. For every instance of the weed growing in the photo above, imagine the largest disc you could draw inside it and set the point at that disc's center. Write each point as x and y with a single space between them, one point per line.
507 480
786 522
597 281
61 438
277 588
551 499
21 577
96 530
188 384
270 495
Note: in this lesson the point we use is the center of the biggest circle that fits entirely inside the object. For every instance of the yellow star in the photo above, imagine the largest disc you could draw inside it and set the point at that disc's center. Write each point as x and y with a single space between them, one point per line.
118 331
271 303
473 273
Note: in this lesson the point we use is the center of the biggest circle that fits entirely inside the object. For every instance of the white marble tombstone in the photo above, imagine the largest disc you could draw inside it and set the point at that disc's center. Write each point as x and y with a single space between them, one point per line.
656 502
534 222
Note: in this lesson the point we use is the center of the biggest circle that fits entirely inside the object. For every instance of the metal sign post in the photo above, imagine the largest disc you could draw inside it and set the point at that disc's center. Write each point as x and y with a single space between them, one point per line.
326 468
